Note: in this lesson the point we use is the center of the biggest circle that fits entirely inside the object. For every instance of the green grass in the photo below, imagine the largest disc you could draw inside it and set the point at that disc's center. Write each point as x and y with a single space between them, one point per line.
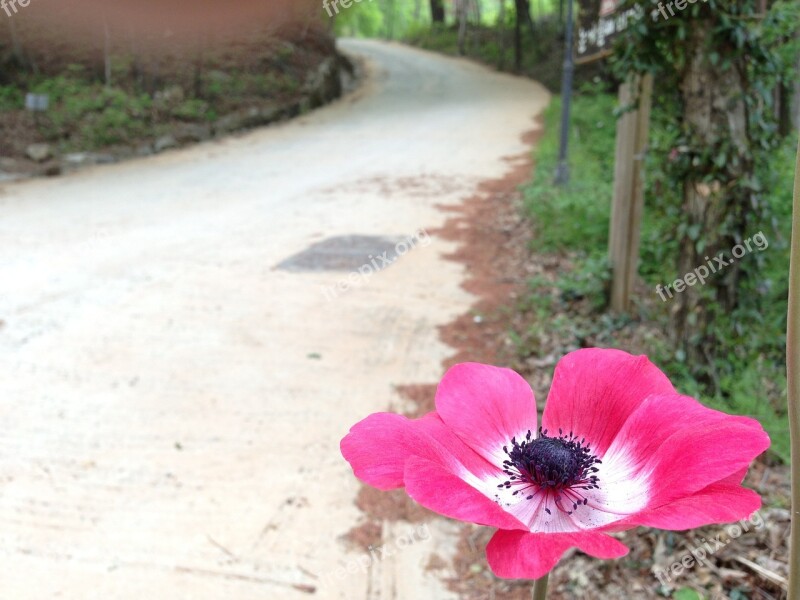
11 98
575 218
574 221
86 115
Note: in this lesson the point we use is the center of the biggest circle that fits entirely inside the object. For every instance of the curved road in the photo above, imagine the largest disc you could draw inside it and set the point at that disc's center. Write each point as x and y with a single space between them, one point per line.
171 402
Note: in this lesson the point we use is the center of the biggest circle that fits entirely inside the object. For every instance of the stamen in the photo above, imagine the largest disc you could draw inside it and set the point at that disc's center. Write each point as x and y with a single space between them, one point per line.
554 466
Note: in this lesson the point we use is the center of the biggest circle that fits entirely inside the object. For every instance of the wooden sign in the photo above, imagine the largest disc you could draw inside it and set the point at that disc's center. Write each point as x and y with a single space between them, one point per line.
599 23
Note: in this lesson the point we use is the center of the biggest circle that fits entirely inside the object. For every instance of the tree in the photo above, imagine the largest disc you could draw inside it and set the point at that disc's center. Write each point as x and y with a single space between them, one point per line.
437 11
717 213
461 16
523 13
501 34
715 70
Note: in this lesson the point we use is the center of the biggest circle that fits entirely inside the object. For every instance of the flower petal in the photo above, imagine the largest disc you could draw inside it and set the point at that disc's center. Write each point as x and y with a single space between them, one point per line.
718 503
706 457
695 458
378 447
655 421
384 469
521 555
486 406
446 493
433 426
595 390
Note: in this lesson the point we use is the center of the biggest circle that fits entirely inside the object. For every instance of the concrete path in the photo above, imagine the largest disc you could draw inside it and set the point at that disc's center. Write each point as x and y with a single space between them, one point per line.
171 403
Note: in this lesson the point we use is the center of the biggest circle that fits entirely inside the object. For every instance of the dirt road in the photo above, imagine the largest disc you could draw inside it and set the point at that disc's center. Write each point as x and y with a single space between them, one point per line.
171 402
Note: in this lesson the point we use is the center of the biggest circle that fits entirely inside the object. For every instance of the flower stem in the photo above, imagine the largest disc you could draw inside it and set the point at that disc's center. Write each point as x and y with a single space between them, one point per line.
540 588
793 385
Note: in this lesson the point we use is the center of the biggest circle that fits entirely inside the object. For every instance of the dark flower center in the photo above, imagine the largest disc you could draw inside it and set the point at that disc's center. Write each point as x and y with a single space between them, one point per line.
554 466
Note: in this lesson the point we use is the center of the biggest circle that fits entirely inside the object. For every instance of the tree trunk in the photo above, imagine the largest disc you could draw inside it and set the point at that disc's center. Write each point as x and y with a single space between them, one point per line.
16 46
136 74
461 13
391 10
794 100
716 216
501 34
783 108
524 12
199 64
437 11
787 103
106 53
517 39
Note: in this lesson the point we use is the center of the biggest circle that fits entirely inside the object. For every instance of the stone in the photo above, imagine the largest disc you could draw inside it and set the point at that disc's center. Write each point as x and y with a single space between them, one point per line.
192 132
50 169
79 159
168 98
324 83
76 158
104 159
250 118
165 142
228 123
144 150
39 152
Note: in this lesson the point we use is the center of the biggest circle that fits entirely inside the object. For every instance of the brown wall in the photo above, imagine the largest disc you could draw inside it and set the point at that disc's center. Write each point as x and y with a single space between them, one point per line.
47 35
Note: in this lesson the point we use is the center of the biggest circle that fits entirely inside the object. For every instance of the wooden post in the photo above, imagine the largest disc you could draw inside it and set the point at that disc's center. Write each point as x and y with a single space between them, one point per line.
628 203
623 194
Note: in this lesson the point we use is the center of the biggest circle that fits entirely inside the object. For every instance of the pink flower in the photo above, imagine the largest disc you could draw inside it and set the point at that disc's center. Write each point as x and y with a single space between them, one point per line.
618 447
